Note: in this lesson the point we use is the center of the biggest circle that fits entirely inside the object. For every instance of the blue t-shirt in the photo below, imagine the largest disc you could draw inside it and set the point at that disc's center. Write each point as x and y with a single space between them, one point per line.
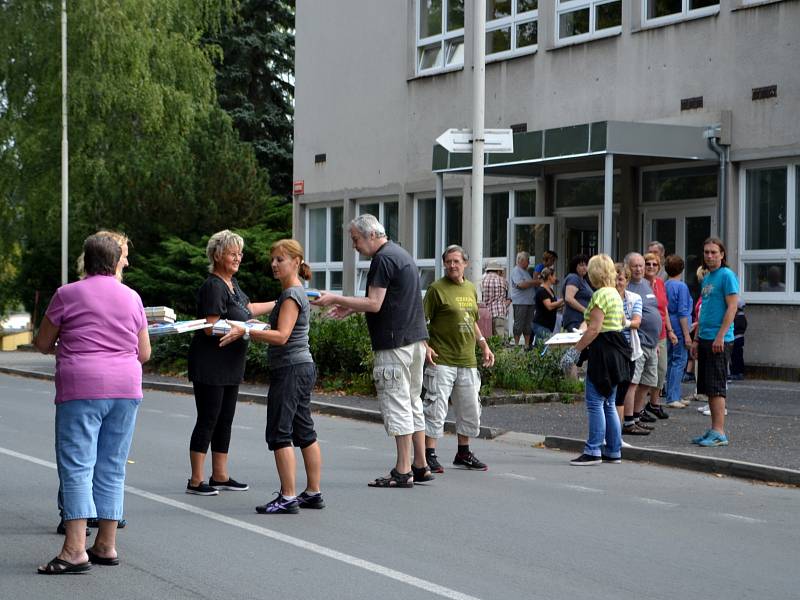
679 304
717 286
650 329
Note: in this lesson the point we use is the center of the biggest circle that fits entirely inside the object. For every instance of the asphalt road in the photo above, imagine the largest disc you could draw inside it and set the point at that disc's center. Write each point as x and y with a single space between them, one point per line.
530 527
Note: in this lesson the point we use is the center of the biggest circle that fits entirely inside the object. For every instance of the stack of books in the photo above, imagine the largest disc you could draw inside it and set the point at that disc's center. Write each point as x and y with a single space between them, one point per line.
223 326
159 314
158 329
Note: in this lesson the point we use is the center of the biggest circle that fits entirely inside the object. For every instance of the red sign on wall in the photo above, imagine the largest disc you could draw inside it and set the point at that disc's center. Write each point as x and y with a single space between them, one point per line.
298 187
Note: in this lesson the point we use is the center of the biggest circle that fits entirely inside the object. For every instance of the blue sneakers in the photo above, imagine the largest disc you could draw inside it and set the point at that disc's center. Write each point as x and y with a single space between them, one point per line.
713 438
700 438
278 506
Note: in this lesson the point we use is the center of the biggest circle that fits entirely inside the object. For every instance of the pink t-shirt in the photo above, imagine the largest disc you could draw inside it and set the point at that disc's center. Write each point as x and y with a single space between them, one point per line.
99 320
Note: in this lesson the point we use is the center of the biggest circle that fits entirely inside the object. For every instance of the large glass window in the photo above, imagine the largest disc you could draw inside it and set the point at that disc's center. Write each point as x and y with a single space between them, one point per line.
679 184
581 20
440 34
495 224
769 214
512 27
325 246
665 11
387 212
766 209
453 219
426 228
584 191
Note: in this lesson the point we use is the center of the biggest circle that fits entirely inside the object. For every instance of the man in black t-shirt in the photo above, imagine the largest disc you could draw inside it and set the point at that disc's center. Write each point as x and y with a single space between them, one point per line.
396 323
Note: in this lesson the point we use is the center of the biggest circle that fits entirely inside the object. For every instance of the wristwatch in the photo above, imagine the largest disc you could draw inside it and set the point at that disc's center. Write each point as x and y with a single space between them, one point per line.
246 335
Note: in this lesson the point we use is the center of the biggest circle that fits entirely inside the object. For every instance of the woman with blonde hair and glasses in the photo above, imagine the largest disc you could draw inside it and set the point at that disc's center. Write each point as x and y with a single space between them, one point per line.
292 374
609 356
216 370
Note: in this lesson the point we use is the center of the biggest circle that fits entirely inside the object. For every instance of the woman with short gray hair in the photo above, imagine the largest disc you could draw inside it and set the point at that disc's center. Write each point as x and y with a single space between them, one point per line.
216 371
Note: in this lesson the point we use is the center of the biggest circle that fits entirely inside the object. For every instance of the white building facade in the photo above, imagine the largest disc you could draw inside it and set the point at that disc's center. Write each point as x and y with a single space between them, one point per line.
689 108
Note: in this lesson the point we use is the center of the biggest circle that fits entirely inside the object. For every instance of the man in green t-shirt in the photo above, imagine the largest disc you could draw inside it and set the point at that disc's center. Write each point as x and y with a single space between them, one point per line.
451 371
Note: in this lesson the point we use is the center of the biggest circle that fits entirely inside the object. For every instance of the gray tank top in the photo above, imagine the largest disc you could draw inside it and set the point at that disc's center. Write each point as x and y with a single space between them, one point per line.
296 350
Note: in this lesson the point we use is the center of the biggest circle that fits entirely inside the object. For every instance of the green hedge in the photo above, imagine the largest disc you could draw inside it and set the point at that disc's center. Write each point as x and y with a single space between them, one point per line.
344 360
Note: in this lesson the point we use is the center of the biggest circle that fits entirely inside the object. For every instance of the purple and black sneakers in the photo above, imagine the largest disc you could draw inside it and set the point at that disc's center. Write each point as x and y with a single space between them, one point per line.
279 506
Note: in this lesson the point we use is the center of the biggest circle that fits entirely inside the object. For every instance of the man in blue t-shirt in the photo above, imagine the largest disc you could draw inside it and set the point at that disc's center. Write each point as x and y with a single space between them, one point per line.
714 342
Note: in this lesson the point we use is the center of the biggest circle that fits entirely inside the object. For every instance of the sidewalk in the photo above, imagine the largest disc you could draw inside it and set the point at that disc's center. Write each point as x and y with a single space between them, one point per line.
763 423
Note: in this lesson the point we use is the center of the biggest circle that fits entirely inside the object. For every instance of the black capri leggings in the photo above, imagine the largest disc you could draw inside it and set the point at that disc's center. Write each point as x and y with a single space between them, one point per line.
216 405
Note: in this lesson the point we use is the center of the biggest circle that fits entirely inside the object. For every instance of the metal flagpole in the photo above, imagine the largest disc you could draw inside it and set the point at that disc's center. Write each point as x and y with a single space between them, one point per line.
64 148
478 106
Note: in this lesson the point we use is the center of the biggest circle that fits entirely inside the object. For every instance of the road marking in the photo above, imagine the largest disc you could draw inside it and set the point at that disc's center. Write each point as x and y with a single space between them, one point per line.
582 488
427 586
742 518
179 416
357 447
655 502
240 427
516 476
153 410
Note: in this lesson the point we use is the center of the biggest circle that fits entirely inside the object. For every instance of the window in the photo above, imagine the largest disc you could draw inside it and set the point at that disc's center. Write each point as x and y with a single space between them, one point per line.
324 246
585 191
387 212
453 217
512 27
659 12
440 35
498 207
582 20
679 184
770 233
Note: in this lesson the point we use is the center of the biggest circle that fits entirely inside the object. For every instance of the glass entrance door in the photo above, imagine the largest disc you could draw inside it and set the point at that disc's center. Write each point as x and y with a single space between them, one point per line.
682 232
533 235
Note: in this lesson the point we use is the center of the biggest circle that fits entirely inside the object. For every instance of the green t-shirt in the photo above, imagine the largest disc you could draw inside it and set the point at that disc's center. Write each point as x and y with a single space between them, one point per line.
609 301
451 310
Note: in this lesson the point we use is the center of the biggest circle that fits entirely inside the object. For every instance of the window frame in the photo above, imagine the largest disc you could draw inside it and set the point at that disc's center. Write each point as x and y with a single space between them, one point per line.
445 39
513 21
593 34
789 256
361 267
328 266
685 14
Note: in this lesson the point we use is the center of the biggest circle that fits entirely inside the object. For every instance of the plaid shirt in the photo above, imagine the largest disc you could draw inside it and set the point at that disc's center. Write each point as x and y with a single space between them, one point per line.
494 290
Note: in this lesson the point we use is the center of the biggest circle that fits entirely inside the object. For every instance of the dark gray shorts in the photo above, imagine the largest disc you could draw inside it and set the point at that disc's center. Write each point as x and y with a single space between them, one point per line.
712 369
289 406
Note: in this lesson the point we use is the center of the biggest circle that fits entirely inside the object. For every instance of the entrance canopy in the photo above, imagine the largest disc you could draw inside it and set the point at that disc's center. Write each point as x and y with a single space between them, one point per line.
577 143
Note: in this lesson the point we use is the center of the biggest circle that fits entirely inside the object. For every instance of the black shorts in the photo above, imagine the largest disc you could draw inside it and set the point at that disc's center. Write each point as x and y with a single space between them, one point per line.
712 369
289 406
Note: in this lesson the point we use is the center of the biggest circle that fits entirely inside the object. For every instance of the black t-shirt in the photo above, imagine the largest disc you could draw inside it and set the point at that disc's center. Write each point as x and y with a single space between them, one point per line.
544 316
401 319
208 363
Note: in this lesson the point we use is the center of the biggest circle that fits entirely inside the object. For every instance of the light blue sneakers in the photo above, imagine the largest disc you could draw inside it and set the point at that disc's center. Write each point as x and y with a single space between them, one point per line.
700 438
714 438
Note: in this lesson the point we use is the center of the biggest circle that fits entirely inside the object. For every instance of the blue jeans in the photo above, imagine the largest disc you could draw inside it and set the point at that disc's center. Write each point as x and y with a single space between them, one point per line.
677 355
93 438
603 423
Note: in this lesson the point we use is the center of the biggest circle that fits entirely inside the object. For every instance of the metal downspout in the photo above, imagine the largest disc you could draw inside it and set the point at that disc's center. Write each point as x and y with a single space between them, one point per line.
722 153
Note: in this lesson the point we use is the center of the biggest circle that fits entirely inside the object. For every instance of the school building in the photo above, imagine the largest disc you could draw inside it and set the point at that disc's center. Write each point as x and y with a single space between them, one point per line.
679 119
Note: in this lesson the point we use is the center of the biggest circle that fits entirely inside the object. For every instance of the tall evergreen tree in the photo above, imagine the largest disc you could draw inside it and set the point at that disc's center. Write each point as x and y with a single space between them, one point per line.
151 151
255 82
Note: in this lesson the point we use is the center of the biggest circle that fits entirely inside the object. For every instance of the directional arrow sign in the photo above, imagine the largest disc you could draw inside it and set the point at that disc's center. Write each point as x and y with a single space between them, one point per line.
460 140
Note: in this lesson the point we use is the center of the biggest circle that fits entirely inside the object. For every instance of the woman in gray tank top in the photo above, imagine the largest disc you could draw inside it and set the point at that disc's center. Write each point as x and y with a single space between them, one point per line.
292 375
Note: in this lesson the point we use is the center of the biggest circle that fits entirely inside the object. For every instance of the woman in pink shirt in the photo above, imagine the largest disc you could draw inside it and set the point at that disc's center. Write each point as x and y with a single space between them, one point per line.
98 330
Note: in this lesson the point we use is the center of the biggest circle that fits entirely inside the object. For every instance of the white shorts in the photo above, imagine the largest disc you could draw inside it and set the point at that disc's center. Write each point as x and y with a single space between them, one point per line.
460 385
397 374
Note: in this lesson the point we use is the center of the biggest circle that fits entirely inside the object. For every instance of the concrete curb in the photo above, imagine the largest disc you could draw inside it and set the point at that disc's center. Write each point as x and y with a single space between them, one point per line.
693 462
704 464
